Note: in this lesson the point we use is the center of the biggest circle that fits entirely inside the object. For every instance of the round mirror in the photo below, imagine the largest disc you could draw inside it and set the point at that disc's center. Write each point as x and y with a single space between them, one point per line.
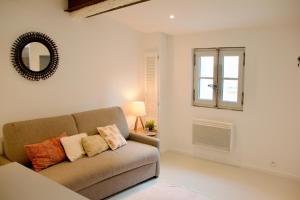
36 56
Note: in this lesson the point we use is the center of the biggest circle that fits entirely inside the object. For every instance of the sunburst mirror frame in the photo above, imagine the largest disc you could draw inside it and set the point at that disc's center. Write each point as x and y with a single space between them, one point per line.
17 61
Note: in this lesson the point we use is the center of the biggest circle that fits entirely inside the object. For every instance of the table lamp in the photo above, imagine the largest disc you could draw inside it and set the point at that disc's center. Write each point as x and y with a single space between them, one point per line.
137 108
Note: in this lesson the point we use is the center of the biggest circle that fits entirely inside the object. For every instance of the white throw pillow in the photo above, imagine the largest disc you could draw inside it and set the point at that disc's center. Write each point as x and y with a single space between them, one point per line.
112 136
73 147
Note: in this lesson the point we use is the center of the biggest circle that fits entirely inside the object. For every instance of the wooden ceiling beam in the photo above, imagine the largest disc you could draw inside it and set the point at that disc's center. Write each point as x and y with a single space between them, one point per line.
75 5
78 4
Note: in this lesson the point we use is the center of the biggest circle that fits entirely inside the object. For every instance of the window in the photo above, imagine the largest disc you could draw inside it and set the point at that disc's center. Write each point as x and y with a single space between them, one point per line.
218 77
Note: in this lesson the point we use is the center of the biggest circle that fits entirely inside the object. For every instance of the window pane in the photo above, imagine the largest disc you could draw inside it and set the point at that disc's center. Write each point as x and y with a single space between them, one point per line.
207 66
230 90
231 66
205 92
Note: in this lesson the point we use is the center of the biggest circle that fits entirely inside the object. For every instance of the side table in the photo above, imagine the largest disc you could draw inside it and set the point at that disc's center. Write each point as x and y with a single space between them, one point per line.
145 132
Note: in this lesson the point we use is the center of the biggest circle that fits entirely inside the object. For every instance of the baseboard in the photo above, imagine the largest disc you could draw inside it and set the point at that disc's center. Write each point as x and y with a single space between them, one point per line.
226 161
239 164
272 172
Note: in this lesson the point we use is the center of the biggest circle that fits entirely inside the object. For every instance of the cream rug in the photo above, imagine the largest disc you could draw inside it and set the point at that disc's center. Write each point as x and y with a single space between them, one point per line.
165 191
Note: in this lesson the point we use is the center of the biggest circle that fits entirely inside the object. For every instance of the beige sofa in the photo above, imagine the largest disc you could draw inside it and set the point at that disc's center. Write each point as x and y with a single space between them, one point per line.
96 177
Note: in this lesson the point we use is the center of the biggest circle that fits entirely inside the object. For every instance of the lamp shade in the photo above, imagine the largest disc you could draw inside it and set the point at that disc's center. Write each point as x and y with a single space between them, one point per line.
137 108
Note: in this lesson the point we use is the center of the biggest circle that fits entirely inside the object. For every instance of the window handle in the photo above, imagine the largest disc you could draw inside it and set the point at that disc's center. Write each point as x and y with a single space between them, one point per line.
213 86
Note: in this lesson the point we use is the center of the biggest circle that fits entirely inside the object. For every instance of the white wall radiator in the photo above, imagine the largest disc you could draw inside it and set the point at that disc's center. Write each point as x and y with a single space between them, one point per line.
214 134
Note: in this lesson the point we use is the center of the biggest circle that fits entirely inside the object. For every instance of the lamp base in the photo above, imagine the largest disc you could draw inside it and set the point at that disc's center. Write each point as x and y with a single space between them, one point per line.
136 123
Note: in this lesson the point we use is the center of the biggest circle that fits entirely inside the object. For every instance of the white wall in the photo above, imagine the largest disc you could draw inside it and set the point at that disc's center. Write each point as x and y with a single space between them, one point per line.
268 129
99 66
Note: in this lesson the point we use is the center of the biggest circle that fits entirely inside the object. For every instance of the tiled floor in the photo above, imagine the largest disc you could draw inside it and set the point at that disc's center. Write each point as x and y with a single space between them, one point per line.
218 181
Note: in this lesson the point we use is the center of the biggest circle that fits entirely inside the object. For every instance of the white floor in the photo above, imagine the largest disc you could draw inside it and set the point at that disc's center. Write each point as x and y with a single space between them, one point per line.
218 181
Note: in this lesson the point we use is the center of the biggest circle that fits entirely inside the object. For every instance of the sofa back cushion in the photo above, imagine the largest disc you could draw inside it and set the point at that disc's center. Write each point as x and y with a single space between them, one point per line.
88 121
18 134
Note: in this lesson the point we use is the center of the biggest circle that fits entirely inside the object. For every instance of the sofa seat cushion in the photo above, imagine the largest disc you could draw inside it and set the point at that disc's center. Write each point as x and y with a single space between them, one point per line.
88 171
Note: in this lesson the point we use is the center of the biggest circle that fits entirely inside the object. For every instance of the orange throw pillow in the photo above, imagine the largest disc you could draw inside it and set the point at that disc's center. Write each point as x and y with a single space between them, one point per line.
46 153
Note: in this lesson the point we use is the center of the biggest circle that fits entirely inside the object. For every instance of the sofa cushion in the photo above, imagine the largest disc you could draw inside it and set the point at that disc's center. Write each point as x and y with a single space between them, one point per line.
47 153
94 145
89 120
73 147
91 170
18 134
111 134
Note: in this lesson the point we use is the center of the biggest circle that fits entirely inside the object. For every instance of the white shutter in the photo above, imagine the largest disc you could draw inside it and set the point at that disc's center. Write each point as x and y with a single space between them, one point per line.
151 85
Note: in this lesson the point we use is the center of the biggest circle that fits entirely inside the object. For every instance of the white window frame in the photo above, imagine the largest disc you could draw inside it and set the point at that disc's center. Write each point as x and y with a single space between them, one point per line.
199 53
218 78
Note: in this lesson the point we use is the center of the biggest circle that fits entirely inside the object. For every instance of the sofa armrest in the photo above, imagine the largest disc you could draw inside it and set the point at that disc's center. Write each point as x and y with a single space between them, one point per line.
144 139
4 160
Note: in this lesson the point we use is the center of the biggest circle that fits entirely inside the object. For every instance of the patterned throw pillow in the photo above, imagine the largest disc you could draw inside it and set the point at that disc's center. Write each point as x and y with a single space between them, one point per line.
46 153
111 134
93 145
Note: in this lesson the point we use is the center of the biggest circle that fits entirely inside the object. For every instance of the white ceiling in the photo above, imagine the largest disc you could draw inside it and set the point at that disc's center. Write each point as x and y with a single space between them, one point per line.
203 15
